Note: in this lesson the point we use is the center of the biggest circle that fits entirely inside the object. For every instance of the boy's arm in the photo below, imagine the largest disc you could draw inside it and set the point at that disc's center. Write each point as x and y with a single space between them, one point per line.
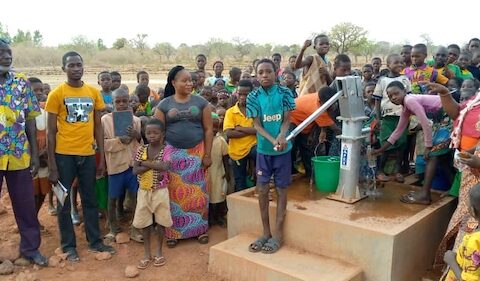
51 146
246 130
234 133
99 139
154 165
31 131
258 126
139 168
281 139
300 62
226 167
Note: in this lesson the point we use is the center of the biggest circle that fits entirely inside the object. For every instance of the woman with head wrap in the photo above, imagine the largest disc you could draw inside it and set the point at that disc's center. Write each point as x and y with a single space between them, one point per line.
189 136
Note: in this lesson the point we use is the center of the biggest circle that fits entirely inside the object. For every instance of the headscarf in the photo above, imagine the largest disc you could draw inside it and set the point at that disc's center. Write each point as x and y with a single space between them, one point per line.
169 89
457 128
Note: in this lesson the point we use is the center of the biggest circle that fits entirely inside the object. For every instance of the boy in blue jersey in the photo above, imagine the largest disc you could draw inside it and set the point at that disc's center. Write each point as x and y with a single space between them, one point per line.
270 106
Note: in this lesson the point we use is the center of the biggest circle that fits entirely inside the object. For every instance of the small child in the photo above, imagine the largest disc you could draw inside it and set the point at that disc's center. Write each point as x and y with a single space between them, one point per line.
223 98
195 90
152 213
419 71
118 152
41 184
468 89
134 103
367 74
463 62
105 81
270 106
464 263
218 176
290 82
144 107
218 85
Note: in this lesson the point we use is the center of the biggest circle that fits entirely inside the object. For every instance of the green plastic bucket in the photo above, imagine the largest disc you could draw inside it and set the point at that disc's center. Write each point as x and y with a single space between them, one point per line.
326 170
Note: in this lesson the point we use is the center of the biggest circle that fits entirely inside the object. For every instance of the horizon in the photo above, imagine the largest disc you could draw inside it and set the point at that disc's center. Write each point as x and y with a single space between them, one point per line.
244 26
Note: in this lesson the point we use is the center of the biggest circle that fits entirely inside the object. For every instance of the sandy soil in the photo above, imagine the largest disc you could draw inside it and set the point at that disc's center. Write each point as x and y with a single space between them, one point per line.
188 261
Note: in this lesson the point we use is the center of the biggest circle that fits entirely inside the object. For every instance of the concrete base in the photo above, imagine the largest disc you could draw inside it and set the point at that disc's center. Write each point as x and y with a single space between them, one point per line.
388 239
232 260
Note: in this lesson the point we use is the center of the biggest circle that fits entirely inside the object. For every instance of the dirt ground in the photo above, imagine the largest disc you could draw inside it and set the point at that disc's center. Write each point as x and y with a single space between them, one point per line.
188 261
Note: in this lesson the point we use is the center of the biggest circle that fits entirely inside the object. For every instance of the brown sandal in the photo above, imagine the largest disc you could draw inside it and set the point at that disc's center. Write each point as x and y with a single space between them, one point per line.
144 263
399 178
159 261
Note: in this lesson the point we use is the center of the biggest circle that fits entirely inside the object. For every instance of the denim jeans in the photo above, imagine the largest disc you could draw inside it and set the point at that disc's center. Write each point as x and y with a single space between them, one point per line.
240 169
82 167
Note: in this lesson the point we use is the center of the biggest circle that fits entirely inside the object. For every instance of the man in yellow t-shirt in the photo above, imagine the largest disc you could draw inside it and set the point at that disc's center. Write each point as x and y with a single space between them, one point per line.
242 139
74 128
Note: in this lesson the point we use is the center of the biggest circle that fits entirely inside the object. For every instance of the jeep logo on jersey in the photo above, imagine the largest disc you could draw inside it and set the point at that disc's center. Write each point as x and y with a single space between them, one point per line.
272 118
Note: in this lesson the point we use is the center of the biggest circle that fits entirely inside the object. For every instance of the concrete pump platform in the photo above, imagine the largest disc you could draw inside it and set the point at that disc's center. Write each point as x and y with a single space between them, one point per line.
374 239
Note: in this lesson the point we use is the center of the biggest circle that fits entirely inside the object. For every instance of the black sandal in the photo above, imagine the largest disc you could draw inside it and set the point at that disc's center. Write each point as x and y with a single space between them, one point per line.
171 243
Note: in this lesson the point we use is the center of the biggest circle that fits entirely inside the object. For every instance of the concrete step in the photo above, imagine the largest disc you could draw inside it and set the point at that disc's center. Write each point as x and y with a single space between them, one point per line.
232 260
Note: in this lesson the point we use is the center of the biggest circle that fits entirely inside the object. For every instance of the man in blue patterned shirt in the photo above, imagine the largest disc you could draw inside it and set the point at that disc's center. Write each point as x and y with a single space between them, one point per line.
19 153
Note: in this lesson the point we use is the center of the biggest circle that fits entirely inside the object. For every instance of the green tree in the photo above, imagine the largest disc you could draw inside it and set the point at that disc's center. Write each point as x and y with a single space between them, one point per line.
120 43
217 47
140 42
367 49
427 40
358 50
242 47
100 45
164 49
383 49
346 36
37 38
4 33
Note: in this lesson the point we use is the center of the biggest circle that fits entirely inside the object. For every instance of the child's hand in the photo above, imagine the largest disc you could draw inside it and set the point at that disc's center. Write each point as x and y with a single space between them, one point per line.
280 143
471 160
307 44
435 88
322 137
125 140
206 161
427 152
132 133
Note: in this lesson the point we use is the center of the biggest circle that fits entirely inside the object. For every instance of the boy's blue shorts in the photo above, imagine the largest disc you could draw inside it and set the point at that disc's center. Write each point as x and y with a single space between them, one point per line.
118 183
280 166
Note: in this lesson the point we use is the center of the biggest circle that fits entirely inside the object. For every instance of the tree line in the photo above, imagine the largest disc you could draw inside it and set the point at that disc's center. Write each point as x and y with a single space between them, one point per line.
344 37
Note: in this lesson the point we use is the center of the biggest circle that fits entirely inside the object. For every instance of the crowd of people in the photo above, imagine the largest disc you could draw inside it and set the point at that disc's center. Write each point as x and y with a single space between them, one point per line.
204 135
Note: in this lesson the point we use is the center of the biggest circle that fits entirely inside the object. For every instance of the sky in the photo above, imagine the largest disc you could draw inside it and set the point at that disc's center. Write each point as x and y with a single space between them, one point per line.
259 21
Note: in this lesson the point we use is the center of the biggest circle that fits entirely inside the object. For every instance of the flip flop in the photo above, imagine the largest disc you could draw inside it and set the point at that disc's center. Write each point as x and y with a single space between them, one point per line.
409 198
256 246
382 177
159 261
271 246
144 263
203 239
109 238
